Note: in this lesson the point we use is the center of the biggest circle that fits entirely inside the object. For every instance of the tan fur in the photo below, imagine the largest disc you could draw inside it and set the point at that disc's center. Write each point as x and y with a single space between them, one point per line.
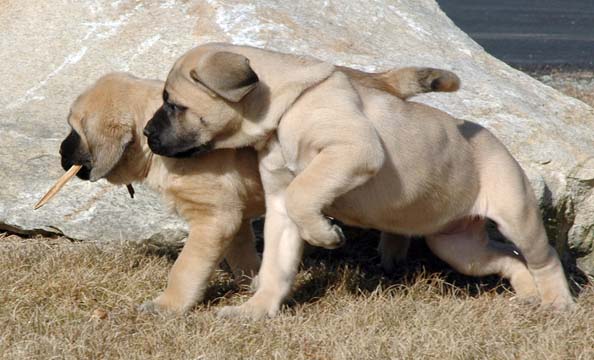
406 82
327 144
217 194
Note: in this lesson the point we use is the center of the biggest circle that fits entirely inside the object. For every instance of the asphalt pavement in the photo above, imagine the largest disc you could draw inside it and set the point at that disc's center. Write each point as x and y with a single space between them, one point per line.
529 33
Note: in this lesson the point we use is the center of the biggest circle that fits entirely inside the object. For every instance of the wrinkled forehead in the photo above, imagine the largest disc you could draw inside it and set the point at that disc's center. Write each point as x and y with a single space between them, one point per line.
178 89
76 120
77 115
82 108
179 85
193 57
96 104
191 61
183 90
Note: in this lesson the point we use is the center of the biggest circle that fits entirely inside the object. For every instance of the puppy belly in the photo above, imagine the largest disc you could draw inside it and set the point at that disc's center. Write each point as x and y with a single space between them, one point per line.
416 219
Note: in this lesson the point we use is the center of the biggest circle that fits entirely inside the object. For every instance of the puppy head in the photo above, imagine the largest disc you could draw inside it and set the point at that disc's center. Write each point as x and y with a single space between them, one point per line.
102 127
202 100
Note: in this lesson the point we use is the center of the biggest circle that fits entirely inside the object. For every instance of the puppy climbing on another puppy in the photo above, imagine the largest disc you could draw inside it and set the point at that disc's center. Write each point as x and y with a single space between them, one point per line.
329 144
216 193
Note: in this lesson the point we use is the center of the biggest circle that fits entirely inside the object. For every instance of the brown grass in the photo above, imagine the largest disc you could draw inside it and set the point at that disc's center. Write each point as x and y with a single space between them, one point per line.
54 294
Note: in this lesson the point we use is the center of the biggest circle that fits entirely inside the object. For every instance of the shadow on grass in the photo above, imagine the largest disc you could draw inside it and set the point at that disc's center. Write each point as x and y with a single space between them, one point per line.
168 250
356 268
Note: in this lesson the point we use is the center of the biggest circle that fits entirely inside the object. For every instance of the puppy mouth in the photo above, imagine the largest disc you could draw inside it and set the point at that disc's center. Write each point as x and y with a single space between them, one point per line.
194 151
191 152
84 173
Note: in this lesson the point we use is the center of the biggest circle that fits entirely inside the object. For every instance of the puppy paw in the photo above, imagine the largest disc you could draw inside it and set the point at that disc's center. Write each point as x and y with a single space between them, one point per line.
245 311
525 288
529 301
330 239
255 283
258 307
159 306
559 304
150 307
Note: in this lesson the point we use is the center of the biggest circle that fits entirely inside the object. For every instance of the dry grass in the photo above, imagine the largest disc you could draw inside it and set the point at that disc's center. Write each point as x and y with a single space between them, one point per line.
51 290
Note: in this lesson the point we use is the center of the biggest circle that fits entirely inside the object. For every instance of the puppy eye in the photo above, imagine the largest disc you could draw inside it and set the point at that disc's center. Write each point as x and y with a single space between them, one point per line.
176 107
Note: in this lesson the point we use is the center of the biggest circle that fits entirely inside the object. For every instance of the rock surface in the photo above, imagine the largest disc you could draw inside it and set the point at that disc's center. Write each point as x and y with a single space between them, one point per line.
52 50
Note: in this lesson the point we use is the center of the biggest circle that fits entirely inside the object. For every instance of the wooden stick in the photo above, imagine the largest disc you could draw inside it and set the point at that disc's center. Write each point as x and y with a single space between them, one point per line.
59 184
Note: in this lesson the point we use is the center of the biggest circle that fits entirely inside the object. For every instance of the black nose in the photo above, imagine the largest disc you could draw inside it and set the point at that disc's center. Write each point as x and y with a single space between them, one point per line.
147 132
73 154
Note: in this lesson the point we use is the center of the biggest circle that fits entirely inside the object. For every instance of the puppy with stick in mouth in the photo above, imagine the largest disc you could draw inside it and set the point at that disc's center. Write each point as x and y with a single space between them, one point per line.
329 145
217 193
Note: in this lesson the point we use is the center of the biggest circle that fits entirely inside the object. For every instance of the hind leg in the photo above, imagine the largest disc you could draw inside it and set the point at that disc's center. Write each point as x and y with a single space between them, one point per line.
393 249
511 203
523 226
242 256
469 251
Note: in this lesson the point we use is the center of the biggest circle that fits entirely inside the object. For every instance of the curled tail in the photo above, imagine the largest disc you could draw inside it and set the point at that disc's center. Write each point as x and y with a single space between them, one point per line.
407 82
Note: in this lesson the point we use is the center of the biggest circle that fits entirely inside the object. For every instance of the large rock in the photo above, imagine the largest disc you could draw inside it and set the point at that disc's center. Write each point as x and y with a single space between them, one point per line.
51 50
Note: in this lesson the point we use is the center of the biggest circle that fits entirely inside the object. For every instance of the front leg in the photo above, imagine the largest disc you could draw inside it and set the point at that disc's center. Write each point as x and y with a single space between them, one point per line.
333 172
283 249
209 238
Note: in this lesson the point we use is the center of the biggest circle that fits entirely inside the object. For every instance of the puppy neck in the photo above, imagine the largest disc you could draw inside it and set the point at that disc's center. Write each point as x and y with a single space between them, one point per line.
152 171
147 157
133 166
150 166
142 100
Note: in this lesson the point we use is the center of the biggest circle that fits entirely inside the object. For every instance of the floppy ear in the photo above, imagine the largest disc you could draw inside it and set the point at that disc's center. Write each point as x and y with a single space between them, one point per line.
109 146
107 155
227 74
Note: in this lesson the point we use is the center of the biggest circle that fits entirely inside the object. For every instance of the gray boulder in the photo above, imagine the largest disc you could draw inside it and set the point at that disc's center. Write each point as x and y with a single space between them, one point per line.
52 50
